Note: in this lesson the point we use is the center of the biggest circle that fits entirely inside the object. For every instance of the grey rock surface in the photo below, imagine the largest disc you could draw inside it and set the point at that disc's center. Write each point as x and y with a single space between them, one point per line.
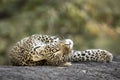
78 71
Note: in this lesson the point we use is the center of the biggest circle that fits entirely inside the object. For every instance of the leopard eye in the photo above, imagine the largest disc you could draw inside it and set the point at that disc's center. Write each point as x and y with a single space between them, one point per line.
55 50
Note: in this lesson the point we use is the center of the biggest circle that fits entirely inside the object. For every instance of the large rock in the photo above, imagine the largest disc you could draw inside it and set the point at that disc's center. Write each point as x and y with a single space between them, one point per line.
78 71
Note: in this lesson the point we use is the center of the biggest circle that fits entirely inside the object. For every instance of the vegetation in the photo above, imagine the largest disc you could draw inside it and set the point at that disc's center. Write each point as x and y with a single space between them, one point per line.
89 23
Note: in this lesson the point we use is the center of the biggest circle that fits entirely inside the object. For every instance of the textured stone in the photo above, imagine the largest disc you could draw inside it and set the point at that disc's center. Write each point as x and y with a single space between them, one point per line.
78 71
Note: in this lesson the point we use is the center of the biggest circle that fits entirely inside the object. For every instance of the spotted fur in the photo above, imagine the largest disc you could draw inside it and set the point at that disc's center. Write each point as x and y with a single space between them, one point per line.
40 50
97 55
50 50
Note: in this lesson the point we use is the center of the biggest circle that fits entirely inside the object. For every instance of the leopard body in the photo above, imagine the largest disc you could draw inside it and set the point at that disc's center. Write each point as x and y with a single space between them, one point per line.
50 50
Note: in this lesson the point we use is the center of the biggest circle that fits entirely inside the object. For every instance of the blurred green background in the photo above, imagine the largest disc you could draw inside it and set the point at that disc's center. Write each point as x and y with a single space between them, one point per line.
89 23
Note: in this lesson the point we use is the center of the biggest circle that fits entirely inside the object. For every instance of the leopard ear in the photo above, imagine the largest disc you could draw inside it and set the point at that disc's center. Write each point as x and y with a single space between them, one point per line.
69 42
